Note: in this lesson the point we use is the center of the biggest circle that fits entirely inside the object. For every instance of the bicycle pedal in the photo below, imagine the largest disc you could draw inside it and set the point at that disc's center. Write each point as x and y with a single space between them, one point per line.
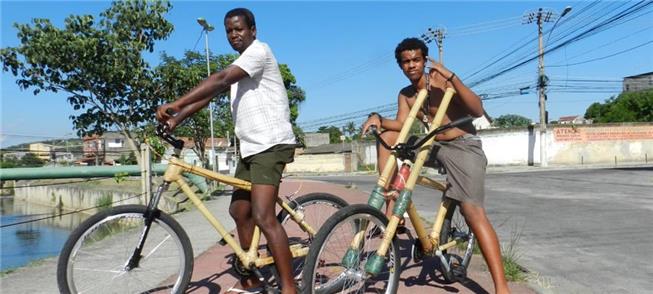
223 242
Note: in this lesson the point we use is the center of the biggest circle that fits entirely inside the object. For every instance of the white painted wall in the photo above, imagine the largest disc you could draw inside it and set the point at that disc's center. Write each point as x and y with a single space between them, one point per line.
592 144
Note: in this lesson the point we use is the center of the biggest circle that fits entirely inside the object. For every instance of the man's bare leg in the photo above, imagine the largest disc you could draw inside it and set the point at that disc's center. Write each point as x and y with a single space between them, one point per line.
263 203
488 242
240 210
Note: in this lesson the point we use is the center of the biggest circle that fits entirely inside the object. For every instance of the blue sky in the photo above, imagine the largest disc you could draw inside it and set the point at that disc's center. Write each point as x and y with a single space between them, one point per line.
342 53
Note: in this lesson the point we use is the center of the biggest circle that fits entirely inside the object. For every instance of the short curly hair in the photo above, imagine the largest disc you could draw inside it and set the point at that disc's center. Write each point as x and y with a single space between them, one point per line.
245 13
411 44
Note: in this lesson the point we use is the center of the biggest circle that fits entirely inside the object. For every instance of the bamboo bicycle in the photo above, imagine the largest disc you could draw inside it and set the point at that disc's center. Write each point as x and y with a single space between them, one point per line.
356 249
137 248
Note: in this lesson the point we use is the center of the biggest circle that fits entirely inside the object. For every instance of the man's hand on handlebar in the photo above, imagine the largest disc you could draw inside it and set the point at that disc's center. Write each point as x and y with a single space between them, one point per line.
165 114
373 120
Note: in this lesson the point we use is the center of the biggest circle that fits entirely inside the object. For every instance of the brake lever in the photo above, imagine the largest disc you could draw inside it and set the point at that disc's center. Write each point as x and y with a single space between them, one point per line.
374 130
451 125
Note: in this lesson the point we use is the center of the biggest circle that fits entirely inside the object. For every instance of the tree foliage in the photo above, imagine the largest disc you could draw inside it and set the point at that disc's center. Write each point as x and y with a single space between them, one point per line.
511 121
333 131
179 76
97 62
627 107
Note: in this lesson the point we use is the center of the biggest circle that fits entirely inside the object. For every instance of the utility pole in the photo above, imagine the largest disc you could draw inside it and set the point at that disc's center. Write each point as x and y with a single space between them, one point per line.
436 35
540 17
206 27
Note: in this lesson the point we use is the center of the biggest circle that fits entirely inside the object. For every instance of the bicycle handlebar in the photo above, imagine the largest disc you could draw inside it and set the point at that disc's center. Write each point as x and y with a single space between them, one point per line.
163 131
453 124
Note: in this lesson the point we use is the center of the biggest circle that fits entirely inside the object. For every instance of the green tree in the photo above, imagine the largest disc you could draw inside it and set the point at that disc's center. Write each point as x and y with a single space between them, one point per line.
353 133
627 107
179 76
334 133
511 121
97 62
31 160
8 161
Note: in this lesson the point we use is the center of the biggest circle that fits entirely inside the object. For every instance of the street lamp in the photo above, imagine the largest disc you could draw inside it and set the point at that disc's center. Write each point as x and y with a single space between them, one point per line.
539 17
206 27
564 12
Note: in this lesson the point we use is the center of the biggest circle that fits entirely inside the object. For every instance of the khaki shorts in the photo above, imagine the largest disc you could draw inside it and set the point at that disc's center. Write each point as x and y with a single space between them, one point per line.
465 162
266 167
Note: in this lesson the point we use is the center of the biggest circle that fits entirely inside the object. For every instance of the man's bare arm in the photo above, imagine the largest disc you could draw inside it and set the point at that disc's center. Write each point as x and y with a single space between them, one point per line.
468 98
201 95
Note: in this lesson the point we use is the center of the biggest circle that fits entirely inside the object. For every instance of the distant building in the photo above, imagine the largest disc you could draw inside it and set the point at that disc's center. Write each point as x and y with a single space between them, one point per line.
638 82
574 120
105 149
316 139
42 151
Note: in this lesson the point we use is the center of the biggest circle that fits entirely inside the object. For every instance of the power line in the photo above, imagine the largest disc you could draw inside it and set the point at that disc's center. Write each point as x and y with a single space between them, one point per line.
604 57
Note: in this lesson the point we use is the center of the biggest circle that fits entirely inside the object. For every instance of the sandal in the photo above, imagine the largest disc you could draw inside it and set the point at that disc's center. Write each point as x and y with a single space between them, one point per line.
237 289
241 291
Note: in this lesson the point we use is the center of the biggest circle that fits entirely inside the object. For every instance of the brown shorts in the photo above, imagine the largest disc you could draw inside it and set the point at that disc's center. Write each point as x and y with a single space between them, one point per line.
465 162
266 167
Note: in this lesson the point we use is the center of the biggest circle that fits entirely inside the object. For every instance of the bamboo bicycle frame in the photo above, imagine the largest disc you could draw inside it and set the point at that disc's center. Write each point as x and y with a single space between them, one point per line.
404 202
251 257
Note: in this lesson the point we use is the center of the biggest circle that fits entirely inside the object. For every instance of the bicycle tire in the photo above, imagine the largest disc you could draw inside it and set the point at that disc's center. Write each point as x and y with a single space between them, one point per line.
317 208
325 272
100 247
458 257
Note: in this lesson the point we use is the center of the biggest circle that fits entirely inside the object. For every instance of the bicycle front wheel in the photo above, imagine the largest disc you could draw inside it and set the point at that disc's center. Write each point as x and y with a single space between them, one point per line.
96 255
335 265
315 208
456 259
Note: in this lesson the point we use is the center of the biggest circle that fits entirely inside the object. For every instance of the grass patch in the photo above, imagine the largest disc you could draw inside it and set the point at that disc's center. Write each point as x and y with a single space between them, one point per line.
510 256
36 262
105 201
7 272
367 167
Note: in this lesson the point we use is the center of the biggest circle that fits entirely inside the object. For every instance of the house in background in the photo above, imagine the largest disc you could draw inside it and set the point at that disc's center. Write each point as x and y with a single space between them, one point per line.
42 151
574 120
105 149
316 139
638 82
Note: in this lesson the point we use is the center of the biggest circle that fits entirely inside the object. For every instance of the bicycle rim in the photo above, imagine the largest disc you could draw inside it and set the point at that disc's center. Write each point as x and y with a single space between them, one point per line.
459 256
316 209
330 275
98 259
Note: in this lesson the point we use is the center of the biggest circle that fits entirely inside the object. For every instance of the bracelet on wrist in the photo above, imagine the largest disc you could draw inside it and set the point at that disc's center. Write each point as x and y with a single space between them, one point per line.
453 75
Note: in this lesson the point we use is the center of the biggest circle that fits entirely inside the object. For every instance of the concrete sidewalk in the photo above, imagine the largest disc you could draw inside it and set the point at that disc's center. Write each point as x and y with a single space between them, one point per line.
213 274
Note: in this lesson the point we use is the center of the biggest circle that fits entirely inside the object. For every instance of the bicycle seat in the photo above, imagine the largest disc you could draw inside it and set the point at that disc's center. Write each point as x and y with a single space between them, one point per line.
433 162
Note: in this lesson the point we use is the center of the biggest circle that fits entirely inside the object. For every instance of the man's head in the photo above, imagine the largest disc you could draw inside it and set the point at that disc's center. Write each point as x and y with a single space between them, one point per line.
240 25
411 56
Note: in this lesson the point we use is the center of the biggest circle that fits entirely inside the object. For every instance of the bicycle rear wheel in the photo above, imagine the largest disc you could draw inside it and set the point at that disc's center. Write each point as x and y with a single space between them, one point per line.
95 256
326 270
316 208
456 259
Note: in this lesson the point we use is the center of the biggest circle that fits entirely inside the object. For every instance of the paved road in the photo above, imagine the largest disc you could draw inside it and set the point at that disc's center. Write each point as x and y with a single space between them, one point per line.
579 231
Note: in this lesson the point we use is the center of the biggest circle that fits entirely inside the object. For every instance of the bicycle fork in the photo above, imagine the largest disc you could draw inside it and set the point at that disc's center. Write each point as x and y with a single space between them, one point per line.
150 214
